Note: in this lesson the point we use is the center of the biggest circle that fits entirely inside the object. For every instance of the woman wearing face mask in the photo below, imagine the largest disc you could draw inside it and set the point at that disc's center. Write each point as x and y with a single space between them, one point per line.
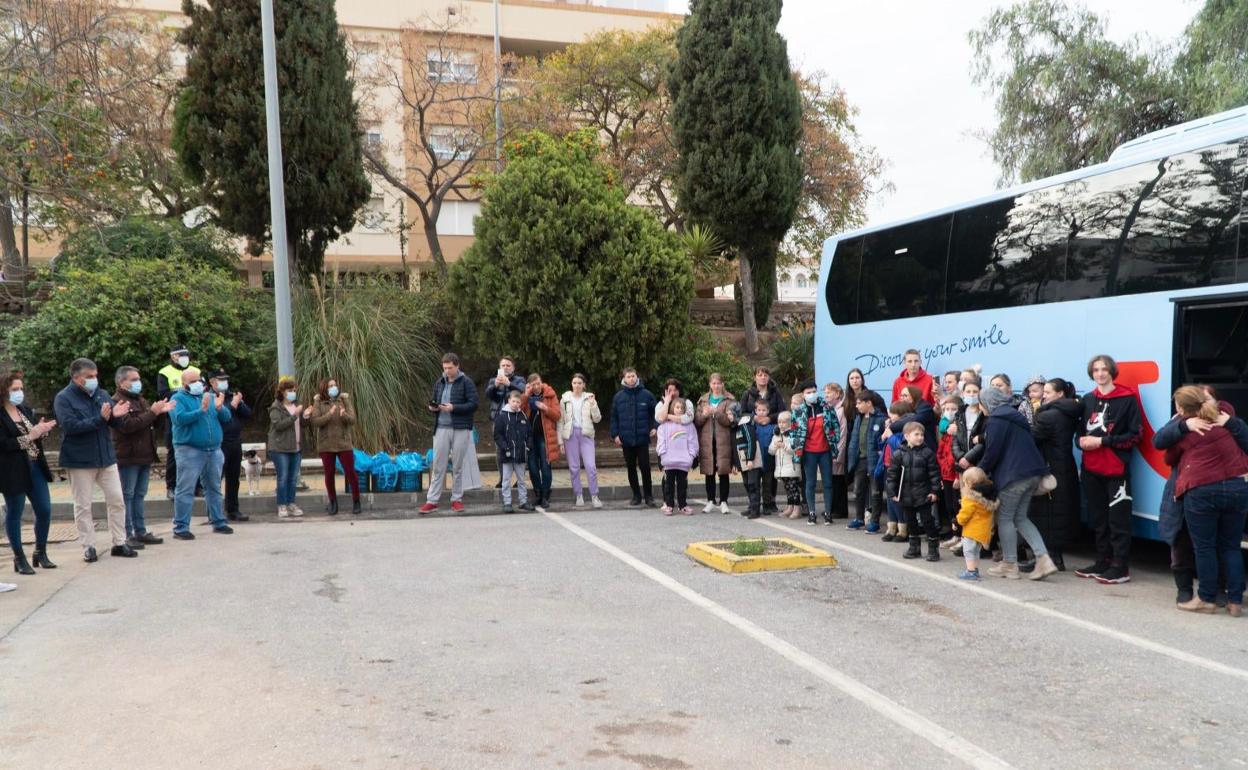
333 417
24 473
968 441
285 440
1056 514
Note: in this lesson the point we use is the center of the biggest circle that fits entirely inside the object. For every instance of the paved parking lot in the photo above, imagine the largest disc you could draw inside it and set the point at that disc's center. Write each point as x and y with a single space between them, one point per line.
588 639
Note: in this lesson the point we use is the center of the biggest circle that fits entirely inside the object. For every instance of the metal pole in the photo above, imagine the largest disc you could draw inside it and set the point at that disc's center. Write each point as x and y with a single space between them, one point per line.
498 90
277 198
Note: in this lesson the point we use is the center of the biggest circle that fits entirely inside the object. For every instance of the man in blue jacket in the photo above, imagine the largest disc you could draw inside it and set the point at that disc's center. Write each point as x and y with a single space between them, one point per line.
197 419
632 427
453 404
84 413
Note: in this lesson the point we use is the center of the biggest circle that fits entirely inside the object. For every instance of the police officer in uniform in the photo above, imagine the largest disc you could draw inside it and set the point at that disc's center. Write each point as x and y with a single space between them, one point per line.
168 383
231 440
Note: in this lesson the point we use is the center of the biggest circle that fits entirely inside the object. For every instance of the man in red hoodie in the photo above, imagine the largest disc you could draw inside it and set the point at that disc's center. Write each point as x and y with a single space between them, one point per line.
914 374
1110 429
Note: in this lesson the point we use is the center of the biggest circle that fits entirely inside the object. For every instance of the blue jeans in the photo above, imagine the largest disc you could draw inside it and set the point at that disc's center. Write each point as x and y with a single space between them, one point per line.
203 466
540 475
40 501
820 462
286 465
1012 519
1215 519
134 492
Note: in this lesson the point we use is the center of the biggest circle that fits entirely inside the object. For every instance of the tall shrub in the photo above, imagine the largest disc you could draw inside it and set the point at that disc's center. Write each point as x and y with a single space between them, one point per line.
375 340
565 273
129 312
737 118
219 123
147 238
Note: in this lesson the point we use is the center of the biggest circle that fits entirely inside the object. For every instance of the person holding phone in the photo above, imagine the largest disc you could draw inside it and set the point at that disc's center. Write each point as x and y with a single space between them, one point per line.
24 473
453 404
497 390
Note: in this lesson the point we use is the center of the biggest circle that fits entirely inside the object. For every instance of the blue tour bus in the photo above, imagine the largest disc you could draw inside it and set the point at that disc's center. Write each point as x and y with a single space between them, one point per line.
1143 257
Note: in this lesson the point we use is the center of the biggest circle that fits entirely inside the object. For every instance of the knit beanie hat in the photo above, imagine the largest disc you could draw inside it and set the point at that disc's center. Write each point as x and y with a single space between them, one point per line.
992 398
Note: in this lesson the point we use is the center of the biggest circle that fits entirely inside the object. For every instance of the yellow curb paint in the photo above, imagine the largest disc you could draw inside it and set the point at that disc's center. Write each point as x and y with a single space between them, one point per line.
712 553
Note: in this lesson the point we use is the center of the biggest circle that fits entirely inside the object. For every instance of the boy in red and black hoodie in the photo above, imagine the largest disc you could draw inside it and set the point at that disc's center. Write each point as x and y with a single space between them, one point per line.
1109 430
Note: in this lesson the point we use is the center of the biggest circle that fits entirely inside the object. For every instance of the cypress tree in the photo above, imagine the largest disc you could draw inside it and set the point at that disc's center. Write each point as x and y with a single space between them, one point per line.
737 120
219 123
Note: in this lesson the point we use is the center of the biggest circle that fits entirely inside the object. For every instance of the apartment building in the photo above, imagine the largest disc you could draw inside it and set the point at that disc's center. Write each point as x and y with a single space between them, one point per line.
390 233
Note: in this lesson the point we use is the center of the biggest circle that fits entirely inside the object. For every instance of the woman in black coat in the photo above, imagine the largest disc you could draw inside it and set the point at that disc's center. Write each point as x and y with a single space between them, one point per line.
24 473
1056 514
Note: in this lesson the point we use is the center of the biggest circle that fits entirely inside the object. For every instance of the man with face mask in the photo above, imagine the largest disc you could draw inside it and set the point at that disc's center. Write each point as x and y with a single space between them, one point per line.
169 382
85 414
135 444
232 440
198 417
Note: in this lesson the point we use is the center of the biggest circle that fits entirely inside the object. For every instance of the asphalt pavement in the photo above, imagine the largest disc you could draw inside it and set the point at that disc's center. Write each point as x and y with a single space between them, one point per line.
587 639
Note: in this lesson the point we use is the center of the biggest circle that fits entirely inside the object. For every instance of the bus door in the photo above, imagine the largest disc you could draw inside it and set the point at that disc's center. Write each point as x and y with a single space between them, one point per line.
1211 346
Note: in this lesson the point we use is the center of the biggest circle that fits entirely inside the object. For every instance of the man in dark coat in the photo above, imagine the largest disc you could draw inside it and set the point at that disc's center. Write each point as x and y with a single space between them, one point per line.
632 427
231 441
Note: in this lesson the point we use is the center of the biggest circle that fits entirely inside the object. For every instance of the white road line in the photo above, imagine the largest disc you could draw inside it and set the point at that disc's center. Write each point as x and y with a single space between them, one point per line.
945 740
1087 625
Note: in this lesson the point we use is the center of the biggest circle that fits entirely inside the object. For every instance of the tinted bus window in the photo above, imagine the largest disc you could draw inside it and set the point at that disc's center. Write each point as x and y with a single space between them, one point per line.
1185 235
842 289
1006 253
1162 225
903 271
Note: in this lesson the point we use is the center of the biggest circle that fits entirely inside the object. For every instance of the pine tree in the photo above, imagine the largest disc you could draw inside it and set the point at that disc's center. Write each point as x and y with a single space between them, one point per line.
219 125
737 121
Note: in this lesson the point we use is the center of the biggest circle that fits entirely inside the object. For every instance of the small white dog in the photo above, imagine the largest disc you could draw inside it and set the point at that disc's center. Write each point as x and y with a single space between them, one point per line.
253 467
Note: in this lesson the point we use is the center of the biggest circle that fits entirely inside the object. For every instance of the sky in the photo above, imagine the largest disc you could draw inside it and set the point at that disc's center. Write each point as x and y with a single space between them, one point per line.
905 65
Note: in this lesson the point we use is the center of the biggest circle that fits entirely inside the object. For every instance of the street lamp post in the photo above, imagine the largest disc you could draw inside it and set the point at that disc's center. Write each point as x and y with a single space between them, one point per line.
498 90
277 198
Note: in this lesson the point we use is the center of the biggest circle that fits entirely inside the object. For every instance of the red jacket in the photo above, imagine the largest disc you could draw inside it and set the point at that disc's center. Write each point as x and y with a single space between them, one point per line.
1206 459
550 419
924 382
944 458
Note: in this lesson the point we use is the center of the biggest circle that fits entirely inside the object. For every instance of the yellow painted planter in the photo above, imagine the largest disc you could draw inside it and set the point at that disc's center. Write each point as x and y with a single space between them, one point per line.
718 555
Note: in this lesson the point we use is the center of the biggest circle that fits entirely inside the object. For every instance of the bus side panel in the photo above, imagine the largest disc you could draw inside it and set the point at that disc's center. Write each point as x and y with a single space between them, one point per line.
1054 340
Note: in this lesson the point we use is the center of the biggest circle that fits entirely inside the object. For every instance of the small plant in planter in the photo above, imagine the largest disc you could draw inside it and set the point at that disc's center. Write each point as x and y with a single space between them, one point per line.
743 547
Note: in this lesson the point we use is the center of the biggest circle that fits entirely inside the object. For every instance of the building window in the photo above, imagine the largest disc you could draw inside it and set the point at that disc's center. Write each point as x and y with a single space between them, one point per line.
372 218
367 59
451 66
801 281
372 135
456 217
451 142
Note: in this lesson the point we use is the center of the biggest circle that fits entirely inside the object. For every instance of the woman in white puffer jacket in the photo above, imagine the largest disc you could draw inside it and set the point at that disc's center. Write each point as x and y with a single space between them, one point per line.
579 412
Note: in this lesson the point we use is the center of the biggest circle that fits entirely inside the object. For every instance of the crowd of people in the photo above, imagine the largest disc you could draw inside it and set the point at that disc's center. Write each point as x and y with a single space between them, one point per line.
109 442
959 465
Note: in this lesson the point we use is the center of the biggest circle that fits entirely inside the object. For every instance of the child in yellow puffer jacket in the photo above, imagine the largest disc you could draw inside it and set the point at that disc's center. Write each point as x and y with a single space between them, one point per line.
979 506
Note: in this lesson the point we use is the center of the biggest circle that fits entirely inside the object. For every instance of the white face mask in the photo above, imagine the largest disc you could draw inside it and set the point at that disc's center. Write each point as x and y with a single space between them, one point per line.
184 361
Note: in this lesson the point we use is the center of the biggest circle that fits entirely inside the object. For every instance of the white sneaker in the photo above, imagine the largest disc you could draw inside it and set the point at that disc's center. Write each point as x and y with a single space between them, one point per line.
597 503
710 507
723 508
283 512
539 507
6 587
580 502
295 510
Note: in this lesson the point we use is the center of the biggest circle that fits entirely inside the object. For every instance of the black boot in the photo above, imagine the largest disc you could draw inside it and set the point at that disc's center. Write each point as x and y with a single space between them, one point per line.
355 505
21 566
1183 579
332 508
41 559
933 549
915 550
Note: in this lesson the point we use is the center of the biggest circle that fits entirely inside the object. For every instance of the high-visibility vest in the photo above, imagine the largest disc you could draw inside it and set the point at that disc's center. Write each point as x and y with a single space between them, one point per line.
173 375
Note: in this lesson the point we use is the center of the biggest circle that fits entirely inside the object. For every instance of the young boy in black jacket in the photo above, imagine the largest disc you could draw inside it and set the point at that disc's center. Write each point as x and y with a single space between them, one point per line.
913 483
750 456
511 436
